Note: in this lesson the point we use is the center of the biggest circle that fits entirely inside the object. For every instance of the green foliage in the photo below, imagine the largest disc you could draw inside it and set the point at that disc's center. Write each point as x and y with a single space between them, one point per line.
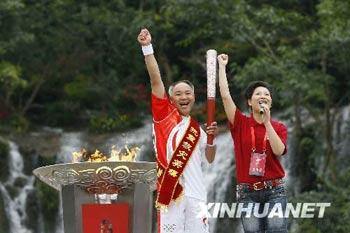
49 201
62 113
19 123
335 216
83 55
45 161
71 52
47 196
4 147
121 122
10 83
10 76
79 88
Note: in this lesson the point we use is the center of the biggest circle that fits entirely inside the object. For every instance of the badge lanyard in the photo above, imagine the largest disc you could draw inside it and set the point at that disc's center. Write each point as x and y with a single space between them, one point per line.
257 160
253 140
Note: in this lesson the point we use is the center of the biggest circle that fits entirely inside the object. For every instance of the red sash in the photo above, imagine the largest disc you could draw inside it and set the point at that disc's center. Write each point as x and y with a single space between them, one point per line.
168 177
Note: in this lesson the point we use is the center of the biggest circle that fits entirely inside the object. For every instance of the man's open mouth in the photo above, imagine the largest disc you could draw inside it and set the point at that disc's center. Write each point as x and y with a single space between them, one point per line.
183 105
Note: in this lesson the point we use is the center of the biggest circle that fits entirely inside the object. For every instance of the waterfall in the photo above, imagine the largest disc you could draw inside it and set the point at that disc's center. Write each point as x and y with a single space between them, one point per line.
342 137
21 185
218 175
141 137
70 142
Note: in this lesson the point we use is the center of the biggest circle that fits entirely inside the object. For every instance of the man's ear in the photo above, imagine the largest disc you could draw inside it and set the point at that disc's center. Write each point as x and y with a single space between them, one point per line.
171 99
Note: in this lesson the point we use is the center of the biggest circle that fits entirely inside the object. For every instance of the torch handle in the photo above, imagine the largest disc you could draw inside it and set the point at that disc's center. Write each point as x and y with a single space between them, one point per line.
211 86
211 117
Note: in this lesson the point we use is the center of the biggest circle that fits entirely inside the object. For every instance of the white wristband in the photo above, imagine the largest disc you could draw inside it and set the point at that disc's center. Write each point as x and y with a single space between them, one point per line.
147 50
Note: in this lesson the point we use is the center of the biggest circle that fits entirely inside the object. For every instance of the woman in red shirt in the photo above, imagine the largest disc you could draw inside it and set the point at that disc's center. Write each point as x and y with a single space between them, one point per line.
259 143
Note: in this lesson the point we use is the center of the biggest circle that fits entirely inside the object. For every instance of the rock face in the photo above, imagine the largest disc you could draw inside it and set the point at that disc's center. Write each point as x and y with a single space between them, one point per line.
3 218
226 224
50 146
4 173
4 151
33 211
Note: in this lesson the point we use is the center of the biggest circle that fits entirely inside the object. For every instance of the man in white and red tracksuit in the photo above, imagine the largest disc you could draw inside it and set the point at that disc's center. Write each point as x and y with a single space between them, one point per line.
181 148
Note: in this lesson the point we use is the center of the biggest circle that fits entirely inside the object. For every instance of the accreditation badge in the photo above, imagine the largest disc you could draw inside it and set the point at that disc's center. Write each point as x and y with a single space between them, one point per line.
257 164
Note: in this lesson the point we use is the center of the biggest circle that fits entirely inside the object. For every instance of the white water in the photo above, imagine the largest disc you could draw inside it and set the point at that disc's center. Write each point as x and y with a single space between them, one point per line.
219 173
15 206
70 142
141 137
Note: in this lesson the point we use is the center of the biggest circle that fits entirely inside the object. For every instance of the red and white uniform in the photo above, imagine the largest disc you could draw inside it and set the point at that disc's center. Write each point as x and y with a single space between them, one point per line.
169 128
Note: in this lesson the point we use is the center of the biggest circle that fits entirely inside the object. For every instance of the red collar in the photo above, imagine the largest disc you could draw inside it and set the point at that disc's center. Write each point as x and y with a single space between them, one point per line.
253 122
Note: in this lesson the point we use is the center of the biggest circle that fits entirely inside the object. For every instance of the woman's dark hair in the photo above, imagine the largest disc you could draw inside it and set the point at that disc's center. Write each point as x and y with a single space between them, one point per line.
253 85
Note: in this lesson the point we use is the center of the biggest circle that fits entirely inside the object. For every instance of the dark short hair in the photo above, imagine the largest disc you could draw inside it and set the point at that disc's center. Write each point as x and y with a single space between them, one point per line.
253 85
170 90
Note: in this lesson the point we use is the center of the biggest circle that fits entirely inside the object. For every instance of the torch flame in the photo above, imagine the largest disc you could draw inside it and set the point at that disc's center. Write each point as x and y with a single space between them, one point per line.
127 154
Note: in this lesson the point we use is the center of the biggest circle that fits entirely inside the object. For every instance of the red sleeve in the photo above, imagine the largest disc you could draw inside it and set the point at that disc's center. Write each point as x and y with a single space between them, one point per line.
161 107
237 120
282 132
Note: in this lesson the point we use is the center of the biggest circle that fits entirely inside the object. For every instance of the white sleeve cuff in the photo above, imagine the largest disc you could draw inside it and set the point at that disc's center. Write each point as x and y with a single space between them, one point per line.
147 50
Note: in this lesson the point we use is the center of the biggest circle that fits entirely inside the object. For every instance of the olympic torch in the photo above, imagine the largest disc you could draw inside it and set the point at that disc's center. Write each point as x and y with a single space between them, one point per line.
211 86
